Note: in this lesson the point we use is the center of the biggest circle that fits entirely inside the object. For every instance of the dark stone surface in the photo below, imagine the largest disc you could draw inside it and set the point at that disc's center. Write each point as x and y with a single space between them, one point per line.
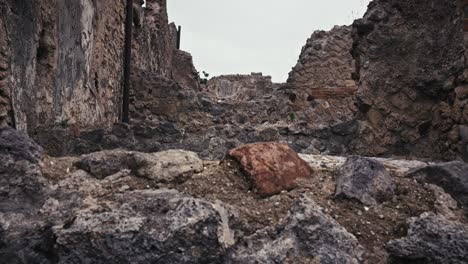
408 67
431 239
105 163
157 226
24 235
364 179
19 146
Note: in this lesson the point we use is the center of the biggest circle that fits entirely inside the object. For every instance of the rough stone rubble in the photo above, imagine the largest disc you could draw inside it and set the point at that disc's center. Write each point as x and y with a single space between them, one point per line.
373 109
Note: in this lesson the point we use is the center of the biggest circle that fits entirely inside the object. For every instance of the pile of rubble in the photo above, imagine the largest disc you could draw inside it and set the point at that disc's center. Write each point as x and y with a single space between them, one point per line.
263 203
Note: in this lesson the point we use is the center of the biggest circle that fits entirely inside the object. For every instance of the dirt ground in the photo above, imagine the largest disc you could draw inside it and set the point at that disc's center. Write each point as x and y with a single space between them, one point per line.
223 181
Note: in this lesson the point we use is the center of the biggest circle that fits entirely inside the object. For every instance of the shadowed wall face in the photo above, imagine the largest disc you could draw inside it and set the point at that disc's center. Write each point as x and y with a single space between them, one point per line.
65 61
411 83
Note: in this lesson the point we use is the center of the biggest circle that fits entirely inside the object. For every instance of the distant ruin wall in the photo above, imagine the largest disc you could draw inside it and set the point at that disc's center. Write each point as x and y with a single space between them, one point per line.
325 66
410 66
239 87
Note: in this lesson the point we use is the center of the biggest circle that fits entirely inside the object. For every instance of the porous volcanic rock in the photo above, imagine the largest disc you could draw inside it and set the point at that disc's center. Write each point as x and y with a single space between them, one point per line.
364 179
165 166
149 226
451 176
105 163
431 239
271 167
24 236
19 145
307 235
21 181
168 166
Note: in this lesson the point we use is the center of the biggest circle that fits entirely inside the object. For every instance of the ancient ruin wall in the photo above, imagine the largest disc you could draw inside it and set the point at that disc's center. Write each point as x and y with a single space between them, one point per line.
409 63
240 87
61 61
153 41
4 73
184 72
155 48
64 61
325 66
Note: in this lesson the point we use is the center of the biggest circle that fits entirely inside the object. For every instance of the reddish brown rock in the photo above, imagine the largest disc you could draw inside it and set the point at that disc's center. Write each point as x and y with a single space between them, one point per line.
271 167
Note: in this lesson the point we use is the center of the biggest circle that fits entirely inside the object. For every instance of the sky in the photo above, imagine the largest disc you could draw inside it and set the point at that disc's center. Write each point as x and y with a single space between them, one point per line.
244 36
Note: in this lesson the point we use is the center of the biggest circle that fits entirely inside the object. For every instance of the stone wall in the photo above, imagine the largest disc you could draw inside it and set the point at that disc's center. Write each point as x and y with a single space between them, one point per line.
183 70
155 48
64 61
154 41
240 87
325 66
4 73
412 93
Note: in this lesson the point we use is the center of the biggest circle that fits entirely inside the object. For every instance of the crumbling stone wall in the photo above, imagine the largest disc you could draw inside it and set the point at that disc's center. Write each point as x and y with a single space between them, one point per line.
325 66
61 61
183 70
153 43
64 61
158 98
240 87
155 48
4 73
409 63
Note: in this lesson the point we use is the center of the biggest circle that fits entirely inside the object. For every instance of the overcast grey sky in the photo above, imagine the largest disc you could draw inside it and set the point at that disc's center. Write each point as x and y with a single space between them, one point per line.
243 36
